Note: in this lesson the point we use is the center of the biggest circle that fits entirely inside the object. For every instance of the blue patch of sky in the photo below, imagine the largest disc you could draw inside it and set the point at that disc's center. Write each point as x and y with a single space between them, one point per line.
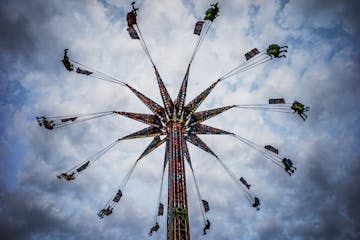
12 97
282 3
191 7
337 130
344 41
328 36
12 153
332 33
254 87
211 34
114 13
232 86
252 13
282 127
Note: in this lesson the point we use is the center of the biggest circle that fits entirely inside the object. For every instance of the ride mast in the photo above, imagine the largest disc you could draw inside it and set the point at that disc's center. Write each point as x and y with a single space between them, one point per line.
178 218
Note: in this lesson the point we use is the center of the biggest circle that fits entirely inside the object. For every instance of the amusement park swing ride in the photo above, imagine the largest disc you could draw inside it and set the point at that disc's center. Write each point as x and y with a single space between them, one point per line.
177 123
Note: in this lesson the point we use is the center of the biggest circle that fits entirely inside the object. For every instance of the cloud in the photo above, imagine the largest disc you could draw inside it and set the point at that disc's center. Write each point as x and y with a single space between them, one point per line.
322 14
26 216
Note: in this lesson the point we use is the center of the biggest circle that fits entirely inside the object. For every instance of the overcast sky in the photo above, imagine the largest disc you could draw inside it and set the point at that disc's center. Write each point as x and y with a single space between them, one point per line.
320 201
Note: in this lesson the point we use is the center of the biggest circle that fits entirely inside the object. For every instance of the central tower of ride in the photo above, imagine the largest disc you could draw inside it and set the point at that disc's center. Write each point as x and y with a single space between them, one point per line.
178 219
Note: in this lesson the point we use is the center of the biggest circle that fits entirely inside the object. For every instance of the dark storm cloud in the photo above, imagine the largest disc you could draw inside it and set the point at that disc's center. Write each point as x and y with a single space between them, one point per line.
334 104
16 37
318 202
326 208
21 27
24 217
24 42
325 14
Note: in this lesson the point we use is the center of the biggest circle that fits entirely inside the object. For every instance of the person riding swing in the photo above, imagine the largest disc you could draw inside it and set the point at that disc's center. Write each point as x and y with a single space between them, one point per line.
207 226
256 203
67 177
131 16
289 166
300 108
67 62
154 228
105 212
275 50
212 12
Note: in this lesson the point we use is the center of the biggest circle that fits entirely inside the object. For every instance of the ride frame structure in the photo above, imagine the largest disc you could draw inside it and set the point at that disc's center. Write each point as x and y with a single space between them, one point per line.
178 218
177 123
